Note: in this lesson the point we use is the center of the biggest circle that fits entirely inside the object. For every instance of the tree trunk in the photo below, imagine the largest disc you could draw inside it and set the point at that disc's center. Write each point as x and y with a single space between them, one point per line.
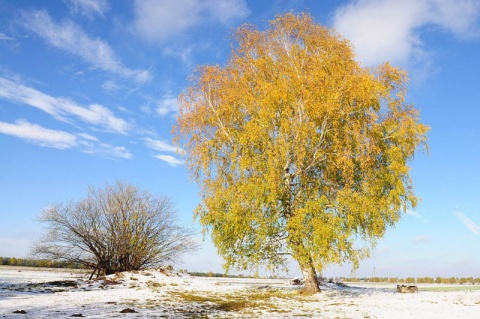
309 276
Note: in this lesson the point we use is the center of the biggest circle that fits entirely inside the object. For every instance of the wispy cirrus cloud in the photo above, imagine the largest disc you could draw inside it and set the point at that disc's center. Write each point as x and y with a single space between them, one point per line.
110 86
88 137
411 212
382 30
158 21
70 38
5 37
41 136
162 146
468 223
168 104
169 160
97 148
61 108
90 8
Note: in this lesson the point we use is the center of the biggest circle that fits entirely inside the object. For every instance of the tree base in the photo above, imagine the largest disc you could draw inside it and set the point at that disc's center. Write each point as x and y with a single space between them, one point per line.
310 279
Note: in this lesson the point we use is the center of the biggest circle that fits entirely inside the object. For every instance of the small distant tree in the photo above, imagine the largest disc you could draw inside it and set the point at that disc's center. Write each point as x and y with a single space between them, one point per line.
13 261
375 279
115 228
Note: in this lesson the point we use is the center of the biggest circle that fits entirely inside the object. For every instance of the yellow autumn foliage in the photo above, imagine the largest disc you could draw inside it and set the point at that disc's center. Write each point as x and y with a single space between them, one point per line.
298 149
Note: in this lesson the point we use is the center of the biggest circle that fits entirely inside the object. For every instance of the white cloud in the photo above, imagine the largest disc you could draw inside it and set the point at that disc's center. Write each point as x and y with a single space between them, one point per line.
45 137
100 115
110 86
161 146
182 52
39 135
62 109
169 159
5 37
382 30
168 104
460 17
90 7
69 37
158 21
105 150
226 10
88 137
468 223
412 212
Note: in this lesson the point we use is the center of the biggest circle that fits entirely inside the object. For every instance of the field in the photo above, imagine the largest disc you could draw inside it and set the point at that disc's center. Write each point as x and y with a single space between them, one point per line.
43 293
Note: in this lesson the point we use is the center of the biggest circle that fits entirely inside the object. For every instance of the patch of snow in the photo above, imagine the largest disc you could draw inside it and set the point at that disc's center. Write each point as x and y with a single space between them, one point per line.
158 294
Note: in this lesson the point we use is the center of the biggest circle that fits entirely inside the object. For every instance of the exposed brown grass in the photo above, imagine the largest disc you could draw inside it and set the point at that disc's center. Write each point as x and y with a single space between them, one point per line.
242 302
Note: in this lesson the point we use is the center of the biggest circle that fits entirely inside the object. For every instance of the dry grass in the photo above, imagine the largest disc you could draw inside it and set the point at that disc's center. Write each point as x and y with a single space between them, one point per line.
235 305
243 302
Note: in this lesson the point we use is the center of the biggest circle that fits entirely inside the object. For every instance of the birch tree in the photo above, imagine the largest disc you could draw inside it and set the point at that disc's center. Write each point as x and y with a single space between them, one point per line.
298 149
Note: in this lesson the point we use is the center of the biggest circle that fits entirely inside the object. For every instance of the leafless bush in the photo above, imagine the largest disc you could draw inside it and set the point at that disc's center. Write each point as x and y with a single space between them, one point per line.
115 228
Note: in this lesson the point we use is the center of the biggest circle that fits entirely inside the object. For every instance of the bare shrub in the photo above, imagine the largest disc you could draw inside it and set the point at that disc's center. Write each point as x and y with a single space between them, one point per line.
115 228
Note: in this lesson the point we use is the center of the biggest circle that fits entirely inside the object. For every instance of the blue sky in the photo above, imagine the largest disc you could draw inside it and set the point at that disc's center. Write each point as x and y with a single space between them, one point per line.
88 96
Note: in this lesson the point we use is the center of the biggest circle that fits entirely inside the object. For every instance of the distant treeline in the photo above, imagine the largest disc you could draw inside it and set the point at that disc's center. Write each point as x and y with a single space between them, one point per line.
215 274
420 280
30 262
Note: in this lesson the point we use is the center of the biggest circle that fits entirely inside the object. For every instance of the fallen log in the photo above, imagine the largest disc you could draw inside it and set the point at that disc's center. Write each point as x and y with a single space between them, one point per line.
407 289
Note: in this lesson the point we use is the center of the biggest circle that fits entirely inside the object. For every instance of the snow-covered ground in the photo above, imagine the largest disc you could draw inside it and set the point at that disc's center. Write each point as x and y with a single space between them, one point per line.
29 293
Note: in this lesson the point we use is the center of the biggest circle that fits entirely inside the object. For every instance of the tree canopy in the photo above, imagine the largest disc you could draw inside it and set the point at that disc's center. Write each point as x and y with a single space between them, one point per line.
299 150
115 228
